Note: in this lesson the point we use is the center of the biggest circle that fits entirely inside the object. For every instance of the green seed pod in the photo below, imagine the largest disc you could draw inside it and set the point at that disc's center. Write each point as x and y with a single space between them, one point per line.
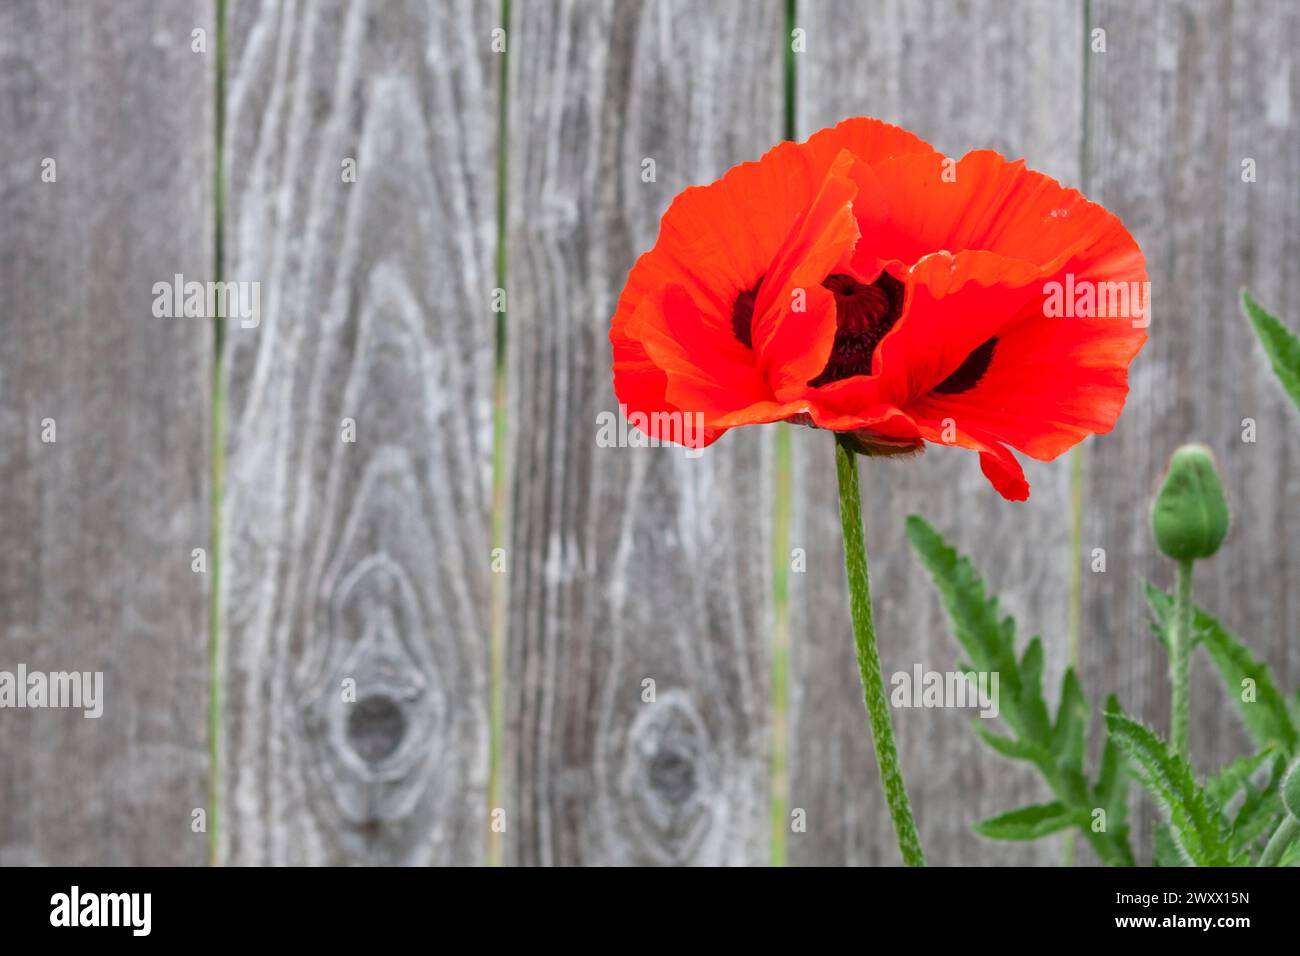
1190 516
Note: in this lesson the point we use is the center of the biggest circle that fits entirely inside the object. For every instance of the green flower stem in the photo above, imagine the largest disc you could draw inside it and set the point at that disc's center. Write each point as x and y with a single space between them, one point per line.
1282 837
1180 646
864 634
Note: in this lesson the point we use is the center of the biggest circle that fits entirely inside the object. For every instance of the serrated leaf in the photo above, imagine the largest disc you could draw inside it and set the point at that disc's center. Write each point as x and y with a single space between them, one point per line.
1162 615
1029 823
1111 794
987 637
1290 789
988 640
1033 705
1267 717
1195 821
1280 345
1262 810
1259 814
1071 721
1031 668
1223 786
1112 848
1012 748
1165 849
1111 776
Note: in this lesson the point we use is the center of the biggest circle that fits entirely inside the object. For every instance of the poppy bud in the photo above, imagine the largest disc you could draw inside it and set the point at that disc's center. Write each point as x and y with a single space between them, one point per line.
1190 516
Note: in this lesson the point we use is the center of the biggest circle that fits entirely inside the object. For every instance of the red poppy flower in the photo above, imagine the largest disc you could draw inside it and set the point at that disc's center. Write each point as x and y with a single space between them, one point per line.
863 283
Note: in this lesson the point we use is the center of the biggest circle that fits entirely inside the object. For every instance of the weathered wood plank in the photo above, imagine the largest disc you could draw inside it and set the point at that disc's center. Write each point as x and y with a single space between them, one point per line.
964 76
1183 94
628 564
99 524
366 560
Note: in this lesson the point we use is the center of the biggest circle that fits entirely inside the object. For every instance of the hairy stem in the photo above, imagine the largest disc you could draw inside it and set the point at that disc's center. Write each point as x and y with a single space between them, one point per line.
1282 837
864 634
1180 645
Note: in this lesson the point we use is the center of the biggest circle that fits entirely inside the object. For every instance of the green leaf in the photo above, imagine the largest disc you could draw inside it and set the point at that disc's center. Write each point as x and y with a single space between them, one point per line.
1031 669
1195 821
1071 722
1111 794
1110 778
1112 848
1267 716
984 634
1224 785
1162 615
1259 814
1029 823
1291 791
1055 747
1280 344
1166 852
1009 747
1261 810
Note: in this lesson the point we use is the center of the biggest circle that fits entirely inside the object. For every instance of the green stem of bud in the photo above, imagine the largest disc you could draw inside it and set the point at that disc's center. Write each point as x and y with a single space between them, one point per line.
864 635
1180 645
1282 837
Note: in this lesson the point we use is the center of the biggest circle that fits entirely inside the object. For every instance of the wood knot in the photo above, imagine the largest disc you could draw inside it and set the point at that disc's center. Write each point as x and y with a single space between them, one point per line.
376 718
375 727
669 779
672 774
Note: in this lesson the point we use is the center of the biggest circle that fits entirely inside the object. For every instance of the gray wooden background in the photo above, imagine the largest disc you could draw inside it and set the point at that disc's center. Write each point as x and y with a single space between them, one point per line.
497 586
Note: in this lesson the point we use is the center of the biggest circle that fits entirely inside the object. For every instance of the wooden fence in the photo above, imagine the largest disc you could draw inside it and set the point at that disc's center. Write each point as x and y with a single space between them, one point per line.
495 586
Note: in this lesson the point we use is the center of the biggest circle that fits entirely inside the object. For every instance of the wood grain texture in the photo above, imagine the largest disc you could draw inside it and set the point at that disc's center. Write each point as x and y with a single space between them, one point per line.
964 76
1184 92
98 526
369 560
628 564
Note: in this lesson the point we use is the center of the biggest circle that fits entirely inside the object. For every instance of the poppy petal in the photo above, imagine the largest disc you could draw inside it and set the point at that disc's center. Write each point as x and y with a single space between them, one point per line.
793 345
870 140
1004 473
997 463
716 240
707 370
1051 383
954 304
1051 379
981 202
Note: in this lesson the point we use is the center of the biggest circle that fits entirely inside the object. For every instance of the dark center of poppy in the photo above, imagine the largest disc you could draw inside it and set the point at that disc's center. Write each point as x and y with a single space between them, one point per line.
863 315
742 315
967 375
